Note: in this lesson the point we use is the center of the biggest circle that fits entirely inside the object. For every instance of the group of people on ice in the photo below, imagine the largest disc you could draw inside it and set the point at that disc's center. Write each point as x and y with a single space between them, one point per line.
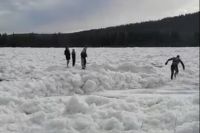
174 66
83 57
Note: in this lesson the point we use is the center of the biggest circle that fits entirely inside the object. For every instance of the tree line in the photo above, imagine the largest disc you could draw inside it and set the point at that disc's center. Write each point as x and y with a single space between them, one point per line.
179 31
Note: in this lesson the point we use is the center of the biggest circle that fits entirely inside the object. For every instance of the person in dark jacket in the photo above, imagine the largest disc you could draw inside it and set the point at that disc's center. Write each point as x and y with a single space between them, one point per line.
174 67
73 57
83 58
67 55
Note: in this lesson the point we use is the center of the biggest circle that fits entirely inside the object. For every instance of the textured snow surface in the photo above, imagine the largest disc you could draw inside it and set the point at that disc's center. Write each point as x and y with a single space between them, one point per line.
122 90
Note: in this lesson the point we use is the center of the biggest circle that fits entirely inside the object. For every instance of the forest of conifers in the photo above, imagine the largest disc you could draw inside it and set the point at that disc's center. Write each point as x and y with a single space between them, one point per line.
180 31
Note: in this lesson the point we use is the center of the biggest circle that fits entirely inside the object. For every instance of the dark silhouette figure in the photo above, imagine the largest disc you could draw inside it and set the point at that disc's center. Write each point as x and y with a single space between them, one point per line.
174 67
67 55
83 58
73 57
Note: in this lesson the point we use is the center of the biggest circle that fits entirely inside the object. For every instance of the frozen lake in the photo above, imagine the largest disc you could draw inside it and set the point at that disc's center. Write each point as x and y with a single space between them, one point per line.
122 90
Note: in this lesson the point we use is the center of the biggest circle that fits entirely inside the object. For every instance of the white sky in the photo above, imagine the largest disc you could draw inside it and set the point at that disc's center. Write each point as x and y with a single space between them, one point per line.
49 16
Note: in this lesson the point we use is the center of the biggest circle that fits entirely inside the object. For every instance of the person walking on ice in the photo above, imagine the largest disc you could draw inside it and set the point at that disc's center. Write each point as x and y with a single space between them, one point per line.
67 55
83 58
174 67
73 57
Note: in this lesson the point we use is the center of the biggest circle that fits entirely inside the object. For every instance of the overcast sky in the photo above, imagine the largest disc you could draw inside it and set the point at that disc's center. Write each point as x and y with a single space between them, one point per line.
49 16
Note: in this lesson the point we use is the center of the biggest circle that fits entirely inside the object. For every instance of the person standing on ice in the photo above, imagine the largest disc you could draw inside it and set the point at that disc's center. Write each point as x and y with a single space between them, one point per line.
67 55
174 67
83 57
73 57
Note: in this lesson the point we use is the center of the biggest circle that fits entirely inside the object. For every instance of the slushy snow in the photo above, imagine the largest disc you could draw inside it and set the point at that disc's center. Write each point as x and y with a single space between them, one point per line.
122 90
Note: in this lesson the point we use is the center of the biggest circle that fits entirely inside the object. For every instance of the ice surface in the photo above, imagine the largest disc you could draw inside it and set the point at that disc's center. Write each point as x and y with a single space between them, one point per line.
122 90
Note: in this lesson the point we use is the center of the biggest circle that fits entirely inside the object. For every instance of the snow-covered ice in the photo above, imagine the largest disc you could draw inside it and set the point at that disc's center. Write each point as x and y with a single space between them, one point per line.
122 90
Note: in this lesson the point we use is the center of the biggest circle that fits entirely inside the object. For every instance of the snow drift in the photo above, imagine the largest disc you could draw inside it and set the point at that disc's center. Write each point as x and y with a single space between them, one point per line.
122 90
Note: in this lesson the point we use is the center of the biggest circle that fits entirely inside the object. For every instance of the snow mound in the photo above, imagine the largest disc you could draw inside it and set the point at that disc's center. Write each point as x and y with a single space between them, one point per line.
89 86
37 118
128 67
70 82
111 124
97 100
75 105
188 128
30 107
